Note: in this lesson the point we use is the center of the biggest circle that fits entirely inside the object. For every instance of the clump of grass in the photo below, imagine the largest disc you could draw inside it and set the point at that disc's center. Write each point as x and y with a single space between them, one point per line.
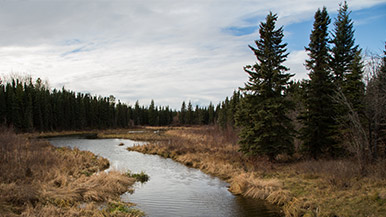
140 177
124 209
37 179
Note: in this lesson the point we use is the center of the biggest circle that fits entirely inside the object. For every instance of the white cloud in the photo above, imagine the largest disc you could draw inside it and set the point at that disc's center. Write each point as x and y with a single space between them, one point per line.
166 50
295 62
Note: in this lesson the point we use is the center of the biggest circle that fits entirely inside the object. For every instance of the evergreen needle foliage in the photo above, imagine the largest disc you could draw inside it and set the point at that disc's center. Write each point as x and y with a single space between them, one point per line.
344 49
262 114
319 125
347 66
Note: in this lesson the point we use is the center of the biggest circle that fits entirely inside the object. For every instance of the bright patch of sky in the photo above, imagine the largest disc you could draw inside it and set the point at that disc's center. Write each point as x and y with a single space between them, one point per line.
166 50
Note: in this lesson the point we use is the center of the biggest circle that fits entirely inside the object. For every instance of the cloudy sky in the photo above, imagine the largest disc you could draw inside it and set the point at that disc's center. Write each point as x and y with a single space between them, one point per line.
166 50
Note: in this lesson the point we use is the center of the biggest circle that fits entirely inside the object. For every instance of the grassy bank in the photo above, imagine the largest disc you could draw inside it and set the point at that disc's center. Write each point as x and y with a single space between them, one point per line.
136 134
301 188
37 179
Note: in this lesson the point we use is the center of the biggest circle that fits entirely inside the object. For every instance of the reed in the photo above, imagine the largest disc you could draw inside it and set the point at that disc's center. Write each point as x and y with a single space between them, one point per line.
37 179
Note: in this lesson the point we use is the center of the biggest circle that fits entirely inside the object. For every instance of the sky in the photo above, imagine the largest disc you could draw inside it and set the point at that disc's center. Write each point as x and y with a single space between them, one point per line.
167 50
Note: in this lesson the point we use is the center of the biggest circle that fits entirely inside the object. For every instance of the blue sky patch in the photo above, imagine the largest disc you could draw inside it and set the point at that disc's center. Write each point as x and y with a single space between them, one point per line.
72 41
77 50
240 31
370 28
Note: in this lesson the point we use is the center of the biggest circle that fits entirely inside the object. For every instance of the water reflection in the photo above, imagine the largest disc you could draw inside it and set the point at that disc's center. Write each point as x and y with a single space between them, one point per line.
173 189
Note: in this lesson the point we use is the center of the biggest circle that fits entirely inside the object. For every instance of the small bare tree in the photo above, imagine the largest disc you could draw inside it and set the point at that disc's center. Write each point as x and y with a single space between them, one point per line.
375 101
365 133
358 141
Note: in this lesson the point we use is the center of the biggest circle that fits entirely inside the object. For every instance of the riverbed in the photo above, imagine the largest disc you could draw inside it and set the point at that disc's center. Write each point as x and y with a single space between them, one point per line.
173 188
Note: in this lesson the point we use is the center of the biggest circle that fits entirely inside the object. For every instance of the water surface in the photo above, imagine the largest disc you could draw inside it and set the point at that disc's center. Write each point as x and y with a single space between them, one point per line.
173 188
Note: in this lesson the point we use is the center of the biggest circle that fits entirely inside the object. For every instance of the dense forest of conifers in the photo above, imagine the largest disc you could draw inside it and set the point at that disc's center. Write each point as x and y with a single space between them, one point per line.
28 105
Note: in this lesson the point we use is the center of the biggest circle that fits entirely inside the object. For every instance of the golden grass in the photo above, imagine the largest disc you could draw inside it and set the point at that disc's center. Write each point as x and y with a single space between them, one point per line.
136 134
37 179
303 188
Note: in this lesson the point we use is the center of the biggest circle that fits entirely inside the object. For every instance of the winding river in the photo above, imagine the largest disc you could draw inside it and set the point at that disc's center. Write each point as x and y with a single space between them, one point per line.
173 189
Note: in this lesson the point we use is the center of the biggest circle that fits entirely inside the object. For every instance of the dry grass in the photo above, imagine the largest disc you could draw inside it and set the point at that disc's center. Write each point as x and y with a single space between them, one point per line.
136 134
305 188
37 179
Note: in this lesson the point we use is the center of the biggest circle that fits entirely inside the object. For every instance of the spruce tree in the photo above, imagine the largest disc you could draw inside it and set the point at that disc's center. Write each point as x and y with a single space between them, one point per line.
346 60
189 114
137 114
182 116
211 114
319 127
344 49
222 114
262 113
152 114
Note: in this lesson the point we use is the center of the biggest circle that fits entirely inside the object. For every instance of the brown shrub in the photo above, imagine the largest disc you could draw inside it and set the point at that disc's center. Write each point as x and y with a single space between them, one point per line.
37 179
337 173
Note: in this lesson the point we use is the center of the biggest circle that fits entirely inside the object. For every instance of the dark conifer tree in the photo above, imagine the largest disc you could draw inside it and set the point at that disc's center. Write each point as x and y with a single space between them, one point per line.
344 49
3 104
182 116
222 113
346 61
28 111
136 114
152 114
262 116
189 114
232 108
319 126
211 113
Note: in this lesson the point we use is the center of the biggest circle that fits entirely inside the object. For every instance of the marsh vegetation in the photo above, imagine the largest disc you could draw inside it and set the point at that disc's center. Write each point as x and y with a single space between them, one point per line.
37 179
325 187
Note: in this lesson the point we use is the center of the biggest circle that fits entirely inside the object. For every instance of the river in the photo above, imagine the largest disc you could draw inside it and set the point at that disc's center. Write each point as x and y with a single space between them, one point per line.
173 188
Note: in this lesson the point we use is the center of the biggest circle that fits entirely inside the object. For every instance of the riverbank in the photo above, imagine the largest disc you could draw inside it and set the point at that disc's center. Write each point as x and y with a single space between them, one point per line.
37 179
136 134
301 188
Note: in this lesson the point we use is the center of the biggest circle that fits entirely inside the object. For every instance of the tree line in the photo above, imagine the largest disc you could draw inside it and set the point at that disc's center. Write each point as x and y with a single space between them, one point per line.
334 113
28 105
32 106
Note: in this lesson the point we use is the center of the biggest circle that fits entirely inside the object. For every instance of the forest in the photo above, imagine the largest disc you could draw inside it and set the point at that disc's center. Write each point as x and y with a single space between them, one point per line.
28 106
313 147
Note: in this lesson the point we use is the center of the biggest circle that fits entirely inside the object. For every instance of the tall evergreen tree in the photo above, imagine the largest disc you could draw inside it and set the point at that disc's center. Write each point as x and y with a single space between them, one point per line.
319 127
222 114
262 115
344 49
182 116
189 114
346 60
152 114
136 114
211 113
